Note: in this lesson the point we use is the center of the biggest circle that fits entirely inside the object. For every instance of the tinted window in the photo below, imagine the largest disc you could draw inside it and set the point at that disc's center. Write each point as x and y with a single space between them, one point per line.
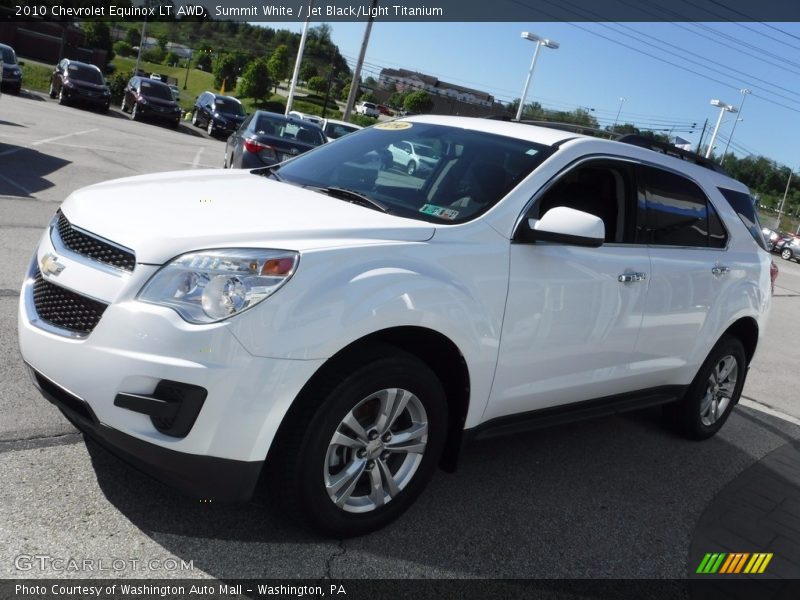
279 127
228 105
677 210
717 237
472 172
744 205
84 73
154 89
8 56
603 189
337 130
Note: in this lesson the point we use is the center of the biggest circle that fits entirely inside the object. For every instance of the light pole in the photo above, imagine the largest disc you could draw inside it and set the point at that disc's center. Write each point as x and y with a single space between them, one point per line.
621 102
532 37
744 92
722 108
188 63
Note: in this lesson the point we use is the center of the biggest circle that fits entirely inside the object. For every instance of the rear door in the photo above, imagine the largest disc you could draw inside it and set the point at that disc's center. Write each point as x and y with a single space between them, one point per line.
690 272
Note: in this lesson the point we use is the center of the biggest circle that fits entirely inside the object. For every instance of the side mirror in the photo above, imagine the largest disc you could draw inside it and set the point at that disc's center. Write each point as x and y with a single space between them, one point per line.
564 225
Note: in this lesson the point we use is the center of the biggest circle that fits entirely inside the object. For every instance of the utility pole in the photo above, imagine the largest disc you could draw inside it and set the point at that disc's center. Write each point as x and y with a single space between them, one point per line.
290 99
744 92
141 43
702 135
351 97
188 63
780 208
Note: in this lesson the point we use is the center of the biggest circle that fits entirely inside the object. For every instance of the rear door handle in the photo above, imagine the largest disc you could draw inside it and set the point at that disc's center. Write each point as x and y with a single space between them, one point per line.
719 270
631 277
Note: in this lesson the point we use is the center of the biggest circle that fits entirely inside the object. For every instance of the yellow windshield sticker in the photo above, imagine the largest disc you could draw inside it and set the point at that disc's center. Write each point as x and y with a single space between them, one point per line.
393 125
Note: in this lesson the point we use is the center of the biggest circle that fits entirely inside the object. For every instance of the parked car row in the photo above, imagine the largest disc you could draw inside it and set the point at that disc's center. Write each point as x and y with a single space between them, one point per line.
785 244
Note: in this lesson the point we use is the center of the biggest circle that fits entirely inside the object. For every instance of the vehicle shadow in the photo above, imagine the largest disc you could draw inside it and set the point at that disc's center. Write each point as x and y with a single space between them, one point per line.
24 171
11 124
612 497
30 95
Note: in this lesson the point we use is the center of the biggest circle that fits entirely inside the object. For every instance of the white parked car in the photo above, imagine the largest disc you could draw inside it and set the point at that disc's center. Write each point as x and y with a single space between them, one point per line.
342 329
369 109
306 117
334 129
413 156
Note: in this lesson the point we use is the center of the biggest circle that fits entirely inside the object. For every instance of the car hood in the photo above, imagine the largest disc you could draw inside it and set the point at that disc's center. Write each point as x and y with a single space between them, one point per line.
164 215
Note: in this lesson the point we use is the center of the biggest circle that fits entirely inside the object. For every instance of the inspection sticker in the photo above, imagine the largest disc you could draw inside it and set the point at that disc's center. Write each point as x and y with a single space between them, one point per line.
393 125
439 211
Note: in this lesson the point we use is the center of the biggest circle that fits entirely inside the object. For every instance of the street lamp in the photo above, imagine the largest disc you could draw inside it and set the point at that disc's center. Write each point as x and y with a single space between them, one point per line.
780 208
532 37
722 108
621 102
744 92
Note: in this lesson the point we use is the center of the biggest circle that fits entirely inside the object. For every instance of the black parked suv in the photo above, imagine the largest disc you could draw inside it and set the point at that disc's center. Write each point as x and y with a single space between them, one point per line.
12 74
74 81
217 114
148 98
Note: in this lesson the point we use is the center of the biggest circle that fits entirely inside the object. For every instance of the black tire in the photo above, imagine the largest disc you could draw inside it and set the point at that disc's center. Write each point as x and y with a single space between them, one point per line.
298 464
16 89
52 91
62 98
786 254
411 168
687 415
135 112
195 120
210 128
123 106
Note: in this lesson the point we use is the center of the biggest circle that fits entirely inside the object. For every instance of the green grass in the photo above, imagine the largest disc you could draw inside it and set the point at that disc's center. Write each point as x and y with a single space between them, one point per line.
36 76
198 82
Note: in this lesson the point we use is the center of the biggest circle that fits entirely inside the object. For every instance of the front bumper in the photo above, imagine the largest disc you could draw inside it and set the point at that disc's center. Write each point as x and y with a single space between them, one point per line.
86 97
149 111
133 349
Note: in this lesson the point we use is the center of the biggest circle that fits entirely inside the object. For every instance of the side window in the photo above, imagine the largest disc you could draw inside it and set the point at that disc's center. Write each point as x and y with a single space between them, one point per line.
744 206
603 188
679 213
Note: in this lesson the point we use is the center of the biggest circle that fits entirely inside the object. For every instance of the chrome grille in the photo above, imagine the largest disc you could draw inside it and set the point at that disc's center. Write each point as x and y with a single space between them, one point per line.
65 309
92 247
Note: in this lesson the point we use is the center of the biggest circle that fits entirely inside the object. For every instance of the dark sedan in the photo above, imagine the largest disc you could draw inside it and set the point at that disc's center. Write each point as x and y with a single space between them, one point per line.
12 74
78 82
151 99
266 139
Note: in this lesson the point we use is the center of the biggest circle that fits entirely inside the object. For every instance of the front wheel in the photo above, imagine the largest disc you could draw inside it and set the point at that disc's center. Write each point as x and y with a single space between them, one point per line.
135 111
210 128
411 168
52 91
62 97
357 460
713 393
786 254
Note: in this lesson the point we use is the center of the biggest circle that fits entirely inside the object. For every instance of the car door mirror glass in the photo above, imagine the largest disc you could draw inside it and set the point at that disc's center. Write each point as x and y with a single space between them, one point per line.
567 226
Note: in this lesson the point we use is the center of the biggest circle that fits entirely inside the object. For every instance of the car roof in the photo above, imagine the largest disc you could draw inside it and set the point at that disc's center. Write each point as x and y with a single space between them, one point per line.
227 97
557 137
83 64
340 122
288 119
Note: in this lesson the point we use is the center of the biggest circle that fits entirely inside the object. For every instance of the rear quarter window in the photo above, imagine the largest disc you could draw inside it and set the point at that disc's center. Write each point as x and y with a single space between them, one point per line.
744 206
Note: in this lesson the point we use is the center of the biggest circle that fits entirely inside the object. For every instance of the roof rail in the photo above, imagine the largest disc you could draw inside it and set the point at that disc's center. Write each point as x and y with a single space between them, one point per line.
670 150
628 138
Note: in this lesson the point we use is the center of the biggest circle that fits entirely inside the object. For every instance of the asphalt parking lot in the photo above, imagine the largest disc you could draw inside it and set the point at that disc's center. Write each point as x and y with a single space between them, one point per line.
617 497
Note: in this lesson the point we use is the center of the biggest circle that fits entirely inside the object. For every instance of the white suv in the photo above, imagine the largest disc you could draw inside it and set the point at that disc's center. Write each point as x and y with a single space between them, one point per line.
369 109
340 329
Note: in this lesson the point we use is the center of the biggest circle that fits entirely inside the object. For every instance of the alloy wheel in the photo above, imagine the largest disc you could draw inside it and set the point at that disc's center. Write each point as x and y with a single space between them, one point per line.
719 390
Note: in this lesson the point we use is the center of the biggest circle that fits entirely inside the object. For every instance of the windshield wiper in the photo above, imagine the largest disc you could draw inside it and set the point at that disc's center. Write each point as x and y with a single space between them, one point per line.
351 196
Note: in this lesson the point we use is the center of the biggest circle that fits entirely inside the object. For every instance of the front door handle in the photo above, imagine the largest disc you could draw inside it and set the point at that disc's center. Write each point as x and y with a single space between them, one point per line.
719 270
631 277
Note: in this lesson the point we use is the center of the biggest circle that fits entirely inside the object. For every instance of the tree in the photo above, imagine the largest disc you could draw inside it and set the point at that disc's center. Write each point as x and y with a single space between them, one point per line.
225 69
307 71
154 55
133 37
122 48
397 99
255 81
418 102
368 96
317 84
99 36
279 64
204 58
172 58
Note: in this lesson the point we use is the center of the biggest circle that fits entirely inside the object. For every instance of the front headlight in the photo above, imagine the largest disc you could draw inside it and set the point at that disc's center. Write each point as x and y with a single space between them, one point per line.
212 285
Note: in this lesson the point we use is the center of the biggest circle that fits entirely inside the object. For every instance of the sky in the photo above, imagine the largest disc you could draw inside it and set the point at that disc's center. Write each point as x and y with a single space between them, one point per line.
667 73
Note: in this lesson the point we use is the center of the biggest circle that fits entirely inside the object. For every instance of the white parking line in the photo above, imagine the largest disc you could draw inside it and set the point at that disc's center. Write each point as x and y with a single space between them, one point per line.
755 405
12 183
196 161
46 140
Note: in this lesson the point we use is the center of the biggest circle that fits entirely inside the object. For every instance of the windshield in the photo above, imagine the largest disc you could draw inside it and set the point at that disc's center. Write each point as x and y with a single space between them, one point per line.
85 73
154 89
466 172
228 105
8 56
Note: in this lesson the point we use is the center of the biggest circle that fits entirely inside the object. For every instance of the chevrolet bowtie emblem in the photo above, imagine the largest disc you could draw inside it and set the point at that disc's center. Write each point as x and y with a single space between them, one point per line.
50 265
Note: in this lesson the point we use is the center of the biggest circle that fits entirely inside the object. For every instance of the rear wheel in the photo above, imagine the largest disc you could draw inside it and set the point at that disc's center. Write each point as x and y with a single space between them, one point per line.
411 168
356 459
62 98
124 106
713 393
210 128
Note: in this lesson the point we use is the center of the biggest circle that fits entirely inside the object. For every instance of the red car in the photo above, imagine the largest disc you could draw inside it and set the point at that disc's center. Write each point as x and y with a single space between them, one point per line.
385 110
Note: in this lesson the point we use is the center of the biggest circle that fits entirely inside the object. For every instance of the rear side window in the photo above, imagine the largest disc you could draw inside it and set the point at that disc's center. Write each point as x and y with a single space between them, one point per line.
678 212
745 207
